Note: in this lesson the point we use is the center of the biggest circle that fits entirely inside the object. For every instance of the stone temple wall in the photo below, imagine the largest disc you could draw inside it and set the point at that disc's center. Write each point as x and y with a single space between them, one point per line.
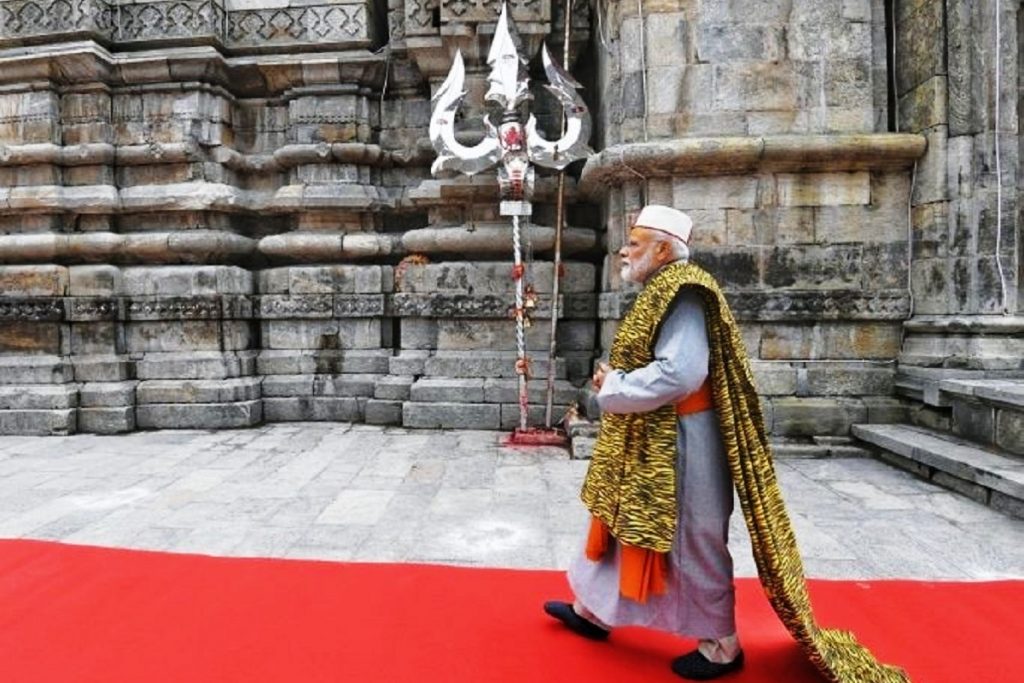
767 122
215 213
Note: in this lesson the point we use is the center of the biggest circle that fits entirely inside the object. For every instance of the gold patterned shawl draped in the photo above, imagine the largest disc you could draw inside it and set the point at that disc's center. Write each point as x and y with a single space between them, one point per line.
622 487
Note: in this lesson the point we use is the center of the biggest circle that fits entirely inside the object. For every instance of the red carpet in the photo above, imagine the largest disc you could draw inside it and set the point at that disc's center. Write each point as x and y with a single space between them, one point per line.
71 614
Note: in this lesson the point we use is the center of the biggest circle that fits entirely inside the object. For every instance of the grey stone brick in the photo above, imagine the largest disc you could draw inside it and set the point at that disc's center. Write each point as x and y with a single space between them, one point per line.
107 420
38 422
447 390
198 391
383 412
38 397
814 416
451 415
199 415
107 394
974 421
393 388
314 408
102 368
34 370
1010 430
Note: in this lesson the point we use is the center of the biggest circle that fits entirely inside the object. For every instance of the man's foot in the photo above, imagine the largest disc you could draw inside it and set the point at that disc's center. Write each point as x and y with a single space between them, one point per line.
697 667
564 612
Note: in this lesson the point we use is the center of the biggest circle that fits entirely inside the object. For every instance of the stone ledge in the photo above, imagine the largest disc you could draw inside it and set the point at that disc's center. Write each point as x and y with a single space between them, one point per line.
711 156
199 415
948 460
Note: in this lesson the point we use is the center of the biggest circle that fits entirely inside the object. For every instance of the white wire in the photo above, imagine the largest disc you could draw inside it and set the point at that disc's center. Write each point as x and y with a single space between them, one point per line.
643 60
999 166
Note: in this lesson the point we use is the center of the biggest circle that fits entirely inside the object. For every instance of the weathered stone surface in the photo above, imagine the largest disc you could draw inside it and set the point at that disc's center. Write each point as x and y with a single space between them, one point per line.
447 390
40 397
812 416
393 388
198 390
41 422
327 361
34 370
111 420
534 415
1009 433
451 415
195 365
41 280
383 412
974 421
107 394
314 408
199 415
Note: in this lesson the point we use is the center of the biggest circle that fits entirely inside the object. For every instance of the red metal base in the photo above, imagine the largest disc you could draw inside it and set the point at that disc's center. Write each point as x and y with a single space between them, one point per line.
537 436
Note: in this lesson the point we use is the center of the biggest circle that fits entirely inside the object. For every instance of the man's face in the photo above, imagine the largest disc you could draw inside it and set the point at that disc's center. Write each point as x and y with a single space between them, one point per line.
642 255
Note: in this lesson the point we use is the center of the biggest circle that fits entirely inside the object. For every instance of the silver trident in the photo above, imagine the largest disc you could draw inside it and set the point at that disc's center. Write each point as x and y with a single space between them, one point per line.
513 147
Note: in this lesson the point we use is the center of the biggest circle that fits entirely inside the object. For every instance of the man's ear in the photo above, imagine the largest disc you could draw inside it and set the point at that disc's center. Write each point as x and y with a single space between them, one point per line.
664 249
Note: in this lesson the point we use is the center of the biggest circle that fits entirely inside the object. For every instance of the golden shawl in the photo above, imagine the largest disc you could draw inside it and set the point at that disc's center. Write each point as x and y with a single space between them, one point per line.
630 484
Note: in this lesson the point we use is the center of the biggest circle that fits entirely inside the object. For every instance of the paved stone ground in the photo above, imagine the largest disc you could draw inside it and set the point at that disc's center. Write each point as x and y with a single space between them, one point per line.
355 492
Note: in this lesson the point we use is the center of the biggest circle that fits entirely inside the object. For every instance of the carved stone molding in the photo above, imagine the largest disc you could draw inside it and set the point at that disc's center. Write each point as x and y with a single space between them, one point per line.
20 19
488 10
176 19
37 309
440 305
790 306
326 23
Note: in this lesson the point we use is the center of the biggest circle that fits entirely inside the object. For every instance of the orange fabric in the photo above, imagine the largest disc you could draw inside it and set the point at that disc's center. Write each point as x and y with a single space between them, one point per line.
641 571
698 401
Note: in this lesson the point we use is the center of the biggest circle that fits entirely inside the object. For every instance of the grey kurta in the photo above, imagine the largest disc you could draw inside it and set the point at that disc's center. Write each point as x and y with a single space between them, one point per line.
699 601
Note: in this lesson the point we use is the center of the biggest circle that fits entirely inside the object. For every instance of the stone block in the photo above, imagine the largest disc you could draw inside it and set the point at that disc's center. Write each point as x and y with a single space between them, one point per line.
408 363
816 416
30 338
726 42
198 390
443 389
582 447
451 415
332 334
864 341
328 361
924 107
973 491
314 408
721 192
35 370
975 421
97 338
393 388
199 415
922 56
112 420
383 412
103 368
492 277
752 86
774 378
886 410
844 379
167 336
38 422
1007 504
38 397
485 364
534 415
356 384
185 280
507 391
38 280
94 280
287 385
813 266
195 365
824 189
930 180
1009 430
786 342
107 394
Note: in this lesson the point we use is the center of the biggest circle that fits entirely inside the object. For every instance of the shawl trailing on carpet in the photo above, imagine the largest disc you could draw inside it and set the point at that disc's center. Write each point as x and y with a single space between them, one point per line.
630 484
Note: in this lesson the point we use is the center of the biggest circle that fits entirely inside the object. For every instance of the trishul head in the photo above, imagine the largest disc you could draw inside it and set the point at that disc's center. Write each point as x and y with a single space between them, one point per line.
508 89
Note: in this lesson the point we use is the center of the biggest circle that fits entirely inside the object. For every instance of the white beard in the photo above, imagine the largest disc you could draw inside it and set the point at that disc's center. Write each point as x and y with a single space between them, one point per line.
639 270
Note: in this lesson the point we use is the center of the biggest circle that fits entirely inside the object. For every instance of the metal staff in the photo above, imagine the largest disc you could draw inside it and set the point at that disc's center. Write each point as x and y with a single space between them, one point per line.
511 146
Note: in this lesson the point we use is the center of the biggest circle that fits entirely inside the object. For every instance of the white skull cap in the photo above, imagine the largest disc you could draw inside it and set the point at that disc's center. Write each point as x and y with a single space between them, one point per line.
665 219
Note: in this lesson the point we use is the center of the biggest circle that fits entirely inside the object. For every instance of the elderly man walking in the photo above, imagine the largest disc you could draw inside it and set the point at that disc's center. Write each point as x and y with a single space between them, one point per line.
680 425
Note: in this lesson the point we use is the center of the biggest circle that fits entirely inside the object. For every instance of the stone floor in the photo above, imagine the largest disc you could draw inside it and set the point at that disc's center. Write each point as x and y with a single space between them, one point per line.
355 492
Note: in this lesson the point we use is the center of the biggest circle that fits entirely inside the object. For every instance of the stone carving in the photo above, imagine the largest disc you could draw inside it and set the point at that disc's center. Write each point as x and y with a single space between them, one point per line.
36 17
832 304
313 23
32 310
302 306
89 309
488 10
419 17
358 305
154 20
175 308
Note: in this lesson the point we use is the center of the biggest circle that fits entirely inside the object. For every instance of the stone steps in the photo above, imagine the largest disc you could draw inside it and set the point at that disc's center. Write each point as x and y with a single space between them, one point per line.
986 475
987 411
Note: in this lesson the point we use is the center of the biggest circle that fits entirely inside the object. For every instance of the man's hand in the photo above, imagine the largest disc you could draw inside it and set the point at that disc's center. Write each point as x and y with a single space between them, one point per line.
598 379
